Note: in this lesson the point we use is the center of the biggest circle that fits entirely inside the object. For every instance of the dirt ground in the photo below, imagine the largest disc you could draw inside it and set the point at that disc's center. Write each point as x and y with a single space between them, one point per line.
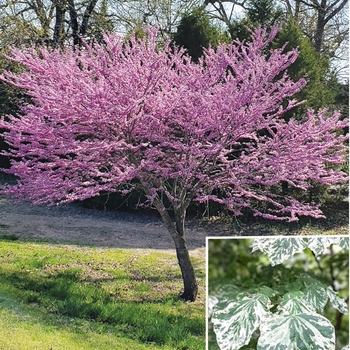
73 224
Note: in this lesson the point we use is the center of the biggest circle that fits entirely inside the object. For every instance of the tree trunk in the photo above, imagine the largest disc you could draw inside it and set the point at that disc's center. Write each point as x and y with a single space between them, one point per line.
60 7
86 17
321 23
74 22
177 232
187 270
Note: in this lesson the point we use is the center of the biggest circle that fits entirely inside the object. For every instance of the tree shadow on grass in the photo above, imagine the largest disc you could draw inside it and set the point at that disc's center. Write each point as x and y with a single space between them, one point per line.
68 293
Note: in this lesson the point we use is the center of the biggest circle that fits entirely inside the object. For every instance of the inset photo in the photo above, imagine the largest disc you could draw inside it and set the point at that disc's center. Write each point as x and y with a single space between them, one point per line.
273 293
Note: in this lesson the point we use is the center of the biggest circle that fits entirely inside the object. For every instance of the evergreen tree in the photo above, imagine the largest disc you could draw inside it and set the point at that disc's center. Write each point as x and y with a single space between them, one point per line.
311 65
263 13
195 33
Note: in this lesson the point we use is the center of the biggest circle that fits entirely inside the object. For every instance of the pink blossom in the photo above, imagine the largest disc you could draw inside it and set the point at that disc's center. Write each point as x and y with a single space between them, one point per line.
110 113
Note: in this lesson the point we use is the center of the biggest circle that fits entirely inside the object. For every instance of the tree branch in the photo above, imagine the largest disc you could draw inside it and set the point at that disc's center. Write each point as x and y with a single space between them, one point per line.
336 11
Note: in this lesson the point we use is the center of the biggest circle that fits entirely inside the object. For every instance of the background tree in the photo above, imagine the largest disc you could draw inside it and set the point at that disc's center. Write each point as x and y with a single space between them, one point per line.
319 20
324 22
318 93
195 33
55 21
164 14
322 89
122 115
102 20
257 14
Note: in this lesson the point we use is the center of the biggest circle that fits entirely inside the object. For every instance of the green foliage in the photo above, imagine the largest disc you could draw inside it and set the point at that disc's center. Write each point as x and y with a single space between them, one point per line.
127 294
195 32
7 237
263 13
291 298
310 64
10 100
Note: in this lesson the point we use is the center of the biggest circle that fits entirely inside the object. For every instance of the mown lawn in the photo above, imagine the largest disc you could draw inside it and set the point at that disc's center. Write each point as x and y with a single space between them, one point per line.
71 297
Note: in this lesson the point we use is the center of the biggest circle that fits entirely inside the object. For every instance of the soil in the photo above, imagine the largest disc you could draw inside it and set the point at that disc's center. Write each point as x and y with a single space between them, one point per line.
74 224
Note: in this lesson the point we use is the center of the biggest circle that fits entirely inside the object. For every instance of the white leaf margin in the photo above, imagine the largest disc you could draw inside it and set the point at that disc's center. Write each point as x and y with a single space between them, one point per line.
279 249
278 332
337 303
235 324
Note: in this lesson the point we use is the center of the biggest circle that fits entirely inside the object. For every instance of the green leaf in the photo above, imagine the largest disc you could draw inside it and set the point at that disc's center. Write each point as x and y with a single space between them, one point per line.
294 286
305 331
337 302
228 291
235 324
279 249
267 291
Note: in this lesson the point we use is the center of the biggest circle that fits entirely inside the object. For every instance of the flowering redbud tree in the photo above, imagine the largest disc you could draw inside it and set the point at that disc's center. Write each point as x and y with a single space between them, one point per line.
119 115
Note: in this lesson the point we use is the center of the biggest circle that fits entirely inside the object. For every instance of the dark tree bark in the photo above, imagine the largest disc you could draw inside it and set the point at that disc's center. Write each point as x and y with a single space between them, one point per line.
86 17
325 11
339 317
79 31
74 22
177 232
60 8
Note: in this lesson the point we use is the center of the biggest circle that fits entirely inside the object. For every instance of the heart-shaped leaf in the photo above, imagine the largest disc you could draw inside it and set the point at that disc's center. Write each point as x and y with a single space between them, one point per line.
235 324
303 331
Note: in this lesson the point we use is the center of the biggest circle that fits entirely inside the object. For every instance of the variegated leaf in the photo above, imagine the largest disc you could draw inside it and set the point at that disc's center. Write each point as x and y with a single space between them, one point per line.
226 294
293 304
315 292
337 302
235 324
305 331
319 244
212 301
280 249
343 242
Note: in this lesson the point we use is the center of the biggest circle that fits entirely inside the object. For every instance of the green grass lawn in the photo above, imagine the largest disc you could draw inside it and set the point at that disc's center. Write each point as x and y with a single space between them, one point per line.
70 297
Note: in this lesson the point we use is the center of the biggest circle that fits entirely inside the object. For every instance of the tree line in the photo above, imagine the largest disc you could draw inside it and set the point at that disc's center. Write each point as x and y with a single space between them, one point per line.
318 27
